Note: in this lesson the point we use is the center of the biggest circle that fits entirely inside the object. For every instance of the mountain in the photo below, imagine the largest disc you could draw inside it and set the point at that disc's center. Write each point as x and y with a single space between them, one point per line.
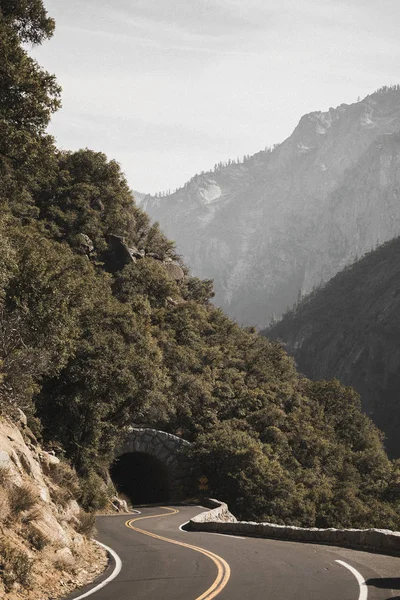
284 220
350 329
139 197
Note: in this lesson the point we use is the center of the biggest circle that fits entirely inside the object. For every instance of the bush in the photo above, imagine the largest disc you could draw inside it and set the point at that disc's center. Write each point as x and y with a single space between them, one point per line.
15 566
22 498
35 427
86 523
36 539
64 476
94 494
67 482
61 496
32 515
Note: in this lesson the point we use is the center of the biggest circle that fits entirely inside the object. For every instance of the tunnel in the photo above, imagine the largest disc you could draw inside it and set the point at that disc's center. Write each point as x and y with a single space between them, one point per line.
141 477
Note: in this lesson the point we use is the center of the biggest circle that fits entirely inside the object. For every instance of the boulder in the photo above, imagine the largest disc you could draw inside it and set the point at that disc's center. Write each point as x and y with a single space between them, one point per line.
5 460
120 505
48 458
171 301
85 243
65 558
22 418
154 255
174 271
119 254
48 526
135 253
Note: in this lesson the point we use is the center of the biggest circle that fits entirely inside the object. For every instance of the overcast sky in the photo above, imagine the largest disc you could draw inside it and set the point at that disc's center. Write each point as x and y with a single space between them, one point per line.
169 87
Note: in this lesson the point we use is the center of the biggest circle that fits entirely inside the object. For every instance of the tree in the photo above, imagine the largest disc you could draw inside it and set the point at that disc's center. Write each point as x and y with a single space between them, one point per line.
28 97
43 290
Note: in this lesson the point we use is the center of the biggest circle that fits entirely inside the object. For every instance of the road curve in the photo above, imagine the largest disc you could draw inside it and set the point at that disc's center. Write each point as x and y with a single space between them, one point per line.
161 562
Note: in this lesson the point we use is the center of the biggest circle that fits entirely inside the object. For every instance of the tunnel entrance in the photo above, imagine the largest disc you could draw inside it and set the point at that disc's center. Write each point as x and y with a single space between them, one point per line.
141 477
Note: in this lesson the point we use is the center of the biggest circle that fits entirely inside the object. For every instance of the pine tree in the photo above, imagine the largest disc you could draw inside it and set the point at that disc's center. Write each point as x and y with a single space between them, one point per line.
28 97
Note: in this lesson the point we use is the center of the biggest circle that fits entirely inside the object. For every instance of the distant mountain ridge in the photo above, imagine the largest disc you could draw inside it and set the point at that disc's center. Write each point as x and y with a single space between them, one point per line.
284 220
350 329
139 197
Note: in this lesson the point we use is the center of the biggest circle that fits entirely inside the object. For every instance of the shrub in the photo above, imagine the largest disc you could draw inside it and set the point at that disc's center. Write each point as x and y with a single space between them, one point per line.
22 498
93 492
64 476
86 523
35 427
15 566
61 495
36 538
32 515
67 482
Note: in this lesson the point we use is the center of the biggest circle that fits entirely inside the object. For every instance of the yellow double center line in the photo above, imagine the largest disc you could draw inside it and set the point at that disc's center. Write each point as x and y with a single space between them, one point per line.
223 569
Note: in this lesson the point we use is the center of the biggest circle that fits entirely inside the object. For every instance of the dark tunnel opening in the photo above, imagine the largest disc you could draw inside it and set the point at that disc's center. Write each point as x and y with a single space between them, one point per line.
141 477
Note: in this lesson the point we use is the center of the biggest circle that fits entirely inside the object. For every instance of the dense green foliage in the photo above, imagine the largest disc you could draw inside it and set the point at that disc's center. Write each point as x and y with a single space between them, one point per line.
350 329
28 96
90 348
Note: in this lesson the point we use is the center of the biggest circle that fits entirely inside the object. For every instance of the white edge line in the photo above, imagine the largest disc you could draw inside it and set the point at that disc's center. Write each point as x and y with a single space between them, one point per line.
118 567
183 525
210 533
360 579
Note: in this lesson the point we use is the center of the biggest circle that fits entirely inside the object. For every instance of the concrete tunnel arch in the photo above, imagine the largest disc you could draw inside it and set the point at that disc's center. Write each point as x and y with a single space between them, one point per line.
152 466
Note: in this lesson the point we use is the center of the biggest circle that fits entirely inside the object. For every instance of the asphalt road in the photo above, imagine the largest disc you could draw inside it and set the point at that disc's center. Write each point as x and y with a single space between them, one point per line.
161 562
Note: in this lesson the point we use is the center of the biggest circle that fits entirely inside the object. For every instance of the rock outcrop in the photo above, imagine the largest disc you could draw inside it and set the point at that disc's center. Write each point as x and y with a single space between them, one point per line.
120 255
279 223
43 552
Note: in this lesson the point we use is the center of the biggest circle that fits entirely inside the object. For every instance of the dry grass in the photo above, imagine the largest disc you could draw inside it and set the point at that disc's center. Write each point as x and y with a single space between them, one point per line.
32 515
5 508
4 476
22 498
86 522
66 483
15 565
36 538
63 476
61 495
64 563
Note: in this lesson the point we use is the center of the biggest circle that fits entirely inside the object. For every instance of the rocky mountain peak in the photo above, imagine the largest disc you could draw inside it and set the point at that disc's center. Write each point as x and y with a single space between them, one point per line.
281 221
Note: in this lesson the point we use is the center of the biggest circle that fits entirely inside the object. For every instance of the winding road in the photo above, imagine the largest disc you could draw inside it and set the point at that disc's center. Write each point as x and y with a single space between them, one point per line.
160 561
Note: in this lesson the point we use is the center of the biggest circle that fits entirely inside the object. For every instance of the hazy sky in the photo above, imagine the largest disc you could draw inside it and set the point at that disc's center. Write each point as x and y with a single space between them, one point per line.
169 87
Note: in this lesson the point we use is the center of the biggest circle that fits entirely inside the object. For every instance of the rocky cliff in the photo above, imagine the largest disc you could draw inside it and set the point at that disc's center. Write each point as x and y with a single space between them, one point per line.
44 552
350 329
277 224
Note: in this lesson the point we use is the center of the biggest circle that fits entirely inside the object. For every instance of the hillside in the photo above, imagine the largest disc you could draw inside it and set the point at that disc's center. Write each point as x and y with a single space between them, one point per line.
350 329
287 219
44 547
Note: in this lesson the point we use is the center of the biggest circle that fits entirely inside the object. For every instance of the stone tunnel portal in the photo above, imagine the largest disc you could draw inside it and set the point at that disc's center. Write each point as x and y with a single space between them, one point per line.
143 478
152 466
